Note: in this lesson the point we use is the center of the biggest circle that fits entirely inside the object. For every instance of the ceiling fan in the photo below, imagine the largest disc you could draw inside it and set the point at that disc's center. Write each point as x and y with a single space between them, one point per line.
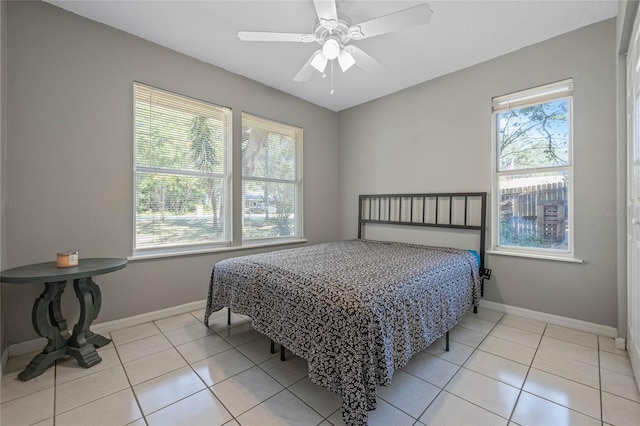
334 33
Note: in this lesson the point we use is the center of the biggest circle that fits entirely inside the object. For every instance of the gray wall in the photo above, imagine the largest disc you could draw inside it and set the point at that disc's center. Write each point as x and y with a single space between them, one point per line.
436 136
69 156
3 62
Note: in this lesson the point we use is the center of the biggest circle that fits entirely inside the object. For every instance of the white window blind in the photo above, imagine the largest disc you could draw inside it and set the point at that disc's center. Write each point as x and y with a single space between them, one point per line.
181 156
271 179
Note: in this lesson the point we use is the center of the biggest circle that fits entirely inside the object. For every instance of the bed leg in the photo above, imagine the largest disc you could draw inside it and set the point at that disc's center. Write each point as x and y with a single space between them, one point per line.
273 347
475 309
228 316
447 340
282 353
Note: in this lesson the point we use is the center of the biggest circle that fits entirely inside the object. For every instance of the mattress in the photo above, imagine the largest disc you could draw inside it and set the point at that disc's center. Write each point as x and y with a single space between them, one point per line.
355 310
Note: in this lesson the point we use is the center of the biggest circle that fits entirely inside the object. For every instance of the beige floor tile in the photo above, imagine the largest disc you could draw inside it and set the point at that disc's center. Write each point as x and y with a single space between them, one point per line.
130 334
570 394
457 354
619 384
69 369
187 334
607 344
466 336
143 347
533 410
320 399
139 422
577 371
569 350
246 390
618 363
258 350
90 388
240 334
487 314
434 370
448 409
492 395
502 369
408 393
516 335
29 409
12 388
386 414
619 411
149 367
45 422
220 367
573 336
507 349
286 372
203 408
179 321
219 324
476 324
203 348
523 323
164 390
199 314
116 409
281 409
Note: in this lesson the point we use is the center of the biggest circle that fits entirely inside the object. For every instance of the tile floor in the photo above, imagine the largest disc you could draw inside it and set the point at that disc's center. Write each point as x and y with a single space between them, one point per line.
501 370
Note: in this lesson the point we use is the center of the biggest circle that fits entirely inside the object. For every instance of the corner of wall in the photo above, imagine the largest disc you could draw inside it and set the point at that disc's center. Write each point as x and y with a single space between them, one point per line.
3 130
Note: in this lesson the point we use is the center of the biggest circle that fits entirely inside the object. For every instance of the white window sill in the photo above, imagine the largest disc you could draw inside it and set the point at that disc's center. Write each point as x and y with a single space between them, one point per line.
158 254
536 256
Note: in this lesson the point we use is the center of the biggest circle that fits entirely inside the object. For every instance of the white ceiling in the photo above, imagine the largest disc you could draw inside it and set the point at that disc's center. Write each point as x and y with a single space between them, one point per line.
460 34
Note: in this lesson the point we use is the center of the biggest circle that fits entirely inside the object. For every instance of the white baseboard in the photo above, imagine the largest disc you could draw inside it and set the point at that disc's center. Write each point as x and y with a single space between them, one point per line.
4 357
589 327
620 343
109 326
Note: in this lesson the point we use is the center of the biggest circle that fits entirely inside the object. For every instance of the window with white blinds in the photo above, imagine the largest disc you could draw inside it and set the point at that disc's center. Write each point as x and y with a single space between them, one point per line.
271 179
181 167
533 170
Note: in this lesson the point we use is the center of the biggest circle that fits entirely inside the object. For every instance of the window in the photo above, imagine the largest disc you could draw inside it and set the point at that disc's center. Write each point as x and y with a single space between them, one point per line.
181 171
533 170
271 179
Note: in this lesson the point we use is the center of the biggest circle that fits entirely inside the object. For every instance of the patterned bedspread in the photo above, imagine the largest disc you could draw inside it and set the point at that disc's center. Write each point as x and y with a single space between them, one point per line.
355 310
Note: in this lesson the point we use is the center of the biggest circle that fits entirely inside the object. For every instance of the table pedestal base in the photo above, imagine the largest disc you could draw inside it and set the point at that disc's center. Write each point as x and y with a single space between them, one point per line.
40 363
48 321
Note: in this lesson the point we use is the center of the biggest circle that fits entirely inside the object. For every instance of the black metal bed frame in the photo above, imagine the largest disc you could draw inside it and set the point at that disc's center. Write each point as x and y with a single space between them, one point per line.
393 215
386 217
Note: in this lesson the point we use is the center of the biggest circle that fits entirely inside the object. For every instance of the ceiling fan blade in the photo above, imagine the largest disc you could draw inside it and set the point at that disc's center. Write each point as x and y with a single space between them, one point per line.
307 69
327 13
407 18
326 9
366 62
266 36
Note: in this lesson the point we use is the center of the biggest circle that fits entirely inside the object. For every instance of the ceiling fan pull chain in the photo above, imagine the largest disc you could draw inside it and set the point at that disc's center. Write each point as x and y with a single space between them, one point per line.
332 77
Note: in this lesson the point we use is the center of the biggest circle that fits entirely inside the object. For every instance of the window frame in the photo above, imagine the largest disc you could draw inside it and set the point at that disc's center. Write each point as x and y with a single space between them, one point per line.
298 182
543 94
225 176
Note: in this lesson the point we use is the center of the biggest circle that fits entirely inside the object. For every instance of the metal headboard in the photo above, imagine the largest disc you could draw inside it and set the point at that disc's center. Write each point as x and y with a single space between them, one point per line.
371 210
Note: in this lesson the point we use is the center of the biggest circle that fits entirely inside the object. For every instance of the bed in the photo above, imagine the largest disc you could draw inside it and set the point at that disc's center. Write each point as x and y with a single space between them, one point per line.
357 310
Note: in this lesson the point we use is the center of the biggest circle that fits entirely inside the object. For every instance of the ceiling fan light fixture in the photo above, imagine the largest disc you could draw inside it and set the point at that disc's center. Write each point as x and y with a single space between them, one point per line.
319 61
345 60
331 48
